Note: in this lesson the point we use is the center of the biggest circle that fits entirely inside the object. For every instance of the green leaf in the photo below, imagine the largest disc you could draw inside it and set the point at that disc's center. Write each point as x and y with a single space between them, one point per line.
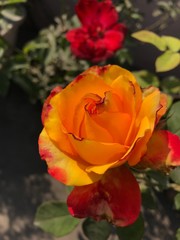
147 199
3 47
32 46
52 48
178 234
9 2
54 218
173 118
150 37
167 61
177 201
13 13
134 231
4 83
146 79
158 179
171 85
96 230
124 56
172 43
175 175
169 100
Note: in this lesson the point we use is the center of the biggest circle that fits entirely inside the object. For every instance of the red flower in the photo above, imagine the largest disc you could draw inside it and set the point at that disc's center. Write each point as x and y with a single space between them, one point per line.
116 197
100 35
163 152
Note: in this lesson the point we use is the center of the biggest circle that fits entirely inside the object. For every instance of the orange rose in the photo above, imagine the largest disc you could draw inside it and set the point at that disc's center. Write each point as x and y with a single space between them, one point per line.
99 122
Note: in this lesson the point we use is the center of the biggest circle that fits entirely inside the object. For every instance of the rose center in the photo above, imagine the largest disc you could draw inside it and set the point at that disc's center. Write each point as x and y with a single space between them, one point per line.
93 104
96 32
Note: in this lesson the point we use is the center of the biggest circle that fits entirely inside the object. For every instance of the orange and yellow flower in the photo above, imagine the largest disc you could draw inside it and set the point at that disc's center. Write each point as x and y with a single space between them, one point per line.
95 128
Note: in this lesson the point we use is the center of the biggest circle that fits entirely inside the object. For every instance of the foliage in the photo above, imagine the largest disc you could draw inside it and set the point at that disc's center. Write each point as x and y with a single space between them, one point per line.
96 230
174 118
146 79
178 234
175 175
45 62
135 231
165 12
177 201
54 217
169 45
10 11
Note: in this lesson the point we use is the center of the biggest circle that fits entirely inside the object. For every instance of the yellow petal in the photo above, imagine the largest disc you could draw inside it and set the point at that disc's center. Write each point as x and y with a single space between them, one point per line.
55 129
103 168
98 153
138 146
65 169
73 94
143 126
163 107
85 126
116 123
149 108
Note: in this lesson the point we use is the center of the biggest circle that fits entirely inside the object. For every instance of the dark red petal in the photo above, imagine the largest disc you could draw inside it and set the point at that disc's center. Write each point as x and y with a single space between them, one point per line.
174 146
116 197
163 151
113 40
94 12
84 47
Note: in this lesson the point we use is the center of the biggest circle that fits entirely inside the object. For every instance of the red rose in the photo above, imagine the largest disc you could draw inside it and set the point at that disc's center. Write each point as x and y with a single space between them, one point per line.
100 35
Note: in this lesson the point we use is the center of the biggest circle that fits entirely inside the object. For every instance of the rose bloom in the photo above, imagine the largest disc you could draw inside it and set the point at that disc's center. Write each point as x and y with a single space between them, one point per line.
95 129
100 35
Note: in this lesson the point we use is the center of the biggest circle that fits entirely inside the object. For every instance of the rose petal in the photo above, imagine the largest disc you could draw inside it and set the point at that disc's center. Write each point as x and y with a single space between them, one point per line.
84 125
73 94
65 169
101 119
113 40
46 105
163 151
103 168
138 148
91 12
116 197
143 126
98 153
125 85
54 127
116 123
122 83
151 105
163 107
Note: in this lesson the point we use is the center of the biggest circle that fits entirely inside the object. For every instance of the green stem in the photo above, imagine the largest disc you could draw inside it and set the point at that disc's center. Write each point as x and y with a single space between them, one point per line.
156 24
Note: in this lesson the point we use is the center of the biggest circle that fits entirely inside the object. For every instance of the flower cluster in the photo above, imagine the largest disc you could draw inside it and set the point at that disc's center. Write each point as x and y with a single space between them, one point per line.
95 130
100 34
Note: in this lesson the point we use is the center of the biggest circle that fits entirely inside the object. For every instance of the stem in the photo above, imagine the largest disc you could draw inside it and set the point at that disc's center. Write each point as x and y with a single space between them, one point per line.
156 24
113 237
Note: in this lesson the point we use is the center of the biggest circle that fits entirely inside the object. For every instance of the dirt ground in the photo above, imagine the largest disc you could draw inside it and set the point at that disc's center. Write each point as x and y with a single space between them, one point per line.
21 195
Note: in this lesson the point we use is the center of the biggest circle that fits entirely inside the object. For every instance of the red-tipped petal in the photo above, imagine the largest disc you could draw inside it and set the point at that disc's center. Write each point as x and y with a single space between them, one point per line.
46 106
163 151
116 197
